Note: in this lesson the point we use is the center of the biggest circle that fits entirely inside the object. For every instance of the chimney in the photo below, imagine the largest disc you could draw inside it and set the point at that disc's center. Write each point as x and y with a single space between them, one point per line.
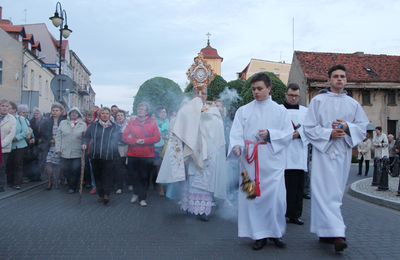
1 9
359 53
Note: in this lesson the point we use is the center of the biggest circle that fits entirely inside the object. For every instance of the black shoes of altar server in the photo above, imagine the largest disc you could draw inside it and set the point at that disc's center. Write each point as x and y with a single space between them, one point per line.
297 221
260 243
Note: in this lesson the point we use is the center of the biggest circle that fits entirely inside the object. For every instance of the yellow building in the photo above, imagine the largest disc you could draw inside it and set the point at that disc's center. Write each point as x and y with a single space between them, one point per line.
280 69
212 58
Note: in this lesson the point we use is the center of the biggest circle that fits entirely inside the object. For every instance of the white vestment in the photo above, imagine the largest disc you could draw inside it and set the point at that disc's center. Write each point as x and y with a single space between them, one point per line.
265 215
331 158
296 152
196 138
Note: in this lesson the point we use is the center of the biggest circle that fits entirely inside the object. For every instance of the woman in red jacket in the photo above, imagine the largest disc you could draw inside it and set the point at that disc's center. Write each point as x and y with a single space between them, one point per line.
141 134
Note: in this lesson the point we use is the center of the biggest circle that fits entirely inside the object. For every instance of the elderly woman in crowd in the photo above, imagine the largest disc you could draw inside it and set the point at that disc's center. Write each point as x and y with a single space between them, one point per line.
141 134
121 167
18 147
7 129
48 132
38 161
68 146
104 136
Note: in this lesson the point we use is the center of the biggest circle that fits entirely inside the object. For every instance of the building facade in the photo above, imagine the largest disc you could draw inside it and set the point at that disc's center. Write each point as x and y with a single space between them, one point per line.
280 69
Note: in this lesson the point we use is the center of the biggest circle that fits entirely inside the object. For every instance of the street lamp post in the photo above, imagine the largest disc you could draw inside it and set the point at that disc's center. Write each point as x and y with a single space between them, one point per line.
58 21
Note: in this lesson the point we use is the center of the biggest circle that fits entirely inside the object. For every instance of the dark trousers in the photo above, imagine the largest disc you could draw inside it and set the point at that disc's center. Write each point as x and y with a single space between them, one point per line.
16 169
120 173
381 172
140 169
360 163
294 181
71 169
103 171
4 157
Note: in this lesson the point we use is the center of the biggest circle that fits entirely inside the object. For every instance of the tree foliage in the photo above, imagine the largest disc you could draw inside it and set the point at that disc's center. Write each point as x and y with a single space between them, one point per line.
237 84
277 92
158 92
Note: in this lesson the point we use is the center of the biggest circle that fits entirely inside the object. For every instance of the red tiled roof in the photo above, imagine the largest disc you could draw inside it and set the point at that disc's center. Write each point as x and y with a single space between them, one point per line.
360 67
210 53
13 29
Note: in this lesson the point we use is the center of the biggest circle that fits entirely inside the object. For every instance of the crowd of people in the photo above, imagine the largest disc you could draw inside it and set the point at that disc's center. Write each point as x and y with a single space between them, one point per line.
110 150
186 156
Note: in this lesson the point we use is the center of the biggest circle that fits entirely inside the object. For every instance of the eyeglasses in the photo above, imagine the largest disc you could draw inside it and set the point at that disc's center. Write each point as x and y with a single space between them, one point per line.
293 96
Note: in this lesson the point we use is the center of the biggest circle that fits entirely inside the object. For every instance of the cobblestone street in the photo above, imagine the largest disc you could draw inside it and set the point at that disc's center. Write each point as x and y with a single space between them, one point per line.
40 224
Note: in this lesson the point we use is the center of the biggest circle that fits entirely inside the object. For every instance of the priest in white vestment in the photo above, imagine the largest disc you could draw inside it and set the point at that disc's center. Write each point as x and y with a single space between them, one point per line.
264 126
195 160
334 123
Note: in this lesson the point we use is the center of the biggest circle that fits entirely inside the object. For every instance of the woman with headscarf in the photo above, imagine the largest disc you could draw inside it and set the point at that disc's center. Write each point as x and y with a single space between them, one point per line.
104 137
68 146
141 134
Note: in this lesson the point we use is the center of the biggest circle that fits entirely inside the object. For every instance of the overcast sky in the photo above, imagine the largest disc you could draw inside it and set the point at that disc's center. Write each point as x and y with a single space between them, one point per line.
126 42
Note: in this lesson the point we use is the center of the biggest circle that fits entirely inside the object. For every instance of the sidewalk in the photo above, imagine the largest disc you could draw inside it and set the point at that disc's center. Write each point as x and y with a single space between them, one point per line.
362 189
9 191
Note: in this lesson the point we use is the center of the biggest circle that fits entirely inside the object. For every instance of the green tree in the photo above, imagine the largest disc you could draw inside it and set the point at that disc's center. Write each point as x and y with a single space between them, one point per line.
158 92
277 92
214 89
237 84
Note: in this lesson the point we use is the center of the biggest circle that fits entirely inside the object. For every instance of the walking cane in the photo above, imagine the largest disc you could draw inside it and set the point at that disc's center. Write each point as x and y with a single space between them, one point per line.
82 174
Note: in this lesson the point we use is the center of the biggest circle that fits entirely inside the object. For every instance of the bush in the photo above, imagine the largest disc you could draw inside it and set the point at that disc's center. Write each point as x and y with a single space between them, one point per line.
158 92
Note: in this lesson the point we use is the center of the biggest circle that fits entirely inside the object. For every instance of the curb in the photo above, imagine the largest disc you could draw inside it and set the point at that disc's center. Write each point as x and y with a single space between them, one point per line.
355 192
11 192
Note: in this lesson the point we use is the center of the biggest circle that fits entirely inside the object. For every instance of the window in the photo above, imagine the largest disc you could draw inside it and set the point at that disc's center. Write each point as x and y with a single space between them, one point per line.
40 85
349 92
32 80
1 72
366 97
391 97
277 72
24 78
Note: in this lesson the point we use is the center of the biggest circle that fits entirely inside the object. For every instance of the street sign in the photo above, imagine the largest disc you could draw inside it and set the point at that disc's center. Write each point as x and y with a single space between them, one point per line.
49 65
59 84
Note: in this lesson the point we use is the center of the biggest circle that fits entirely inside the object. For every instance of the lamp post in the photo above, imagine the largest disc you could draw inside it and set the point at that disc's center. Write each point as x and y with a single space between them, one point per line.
58 21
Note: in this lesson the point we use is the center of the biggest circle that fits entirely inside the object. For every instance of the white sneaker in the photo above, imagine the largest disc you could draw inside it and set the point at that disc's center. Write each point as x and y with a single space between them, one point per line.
134 198
143 203
130 188
119 191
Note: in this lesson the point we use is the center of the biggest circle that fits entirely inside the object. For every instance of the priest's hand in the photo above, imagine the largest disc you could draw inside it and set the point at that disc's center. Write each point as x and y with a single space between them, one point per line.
296 134
263 134
337 133
140 141
236 150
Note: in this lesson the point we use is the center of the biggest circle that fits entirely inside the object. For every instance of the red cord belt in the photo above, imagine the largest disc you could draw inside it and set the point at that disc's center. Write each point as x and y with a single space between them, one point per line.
253 158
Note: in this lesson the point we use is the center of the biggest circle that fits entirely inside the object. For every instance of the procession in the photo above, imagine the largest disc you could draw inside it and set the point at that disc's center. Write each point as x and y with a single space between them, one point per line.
199 130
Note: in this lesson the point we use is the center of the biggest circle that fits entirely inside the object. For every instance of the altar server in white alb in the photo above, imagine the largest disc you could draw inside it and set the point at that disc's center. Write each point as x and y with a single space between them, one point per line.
296 156
260 133
334 124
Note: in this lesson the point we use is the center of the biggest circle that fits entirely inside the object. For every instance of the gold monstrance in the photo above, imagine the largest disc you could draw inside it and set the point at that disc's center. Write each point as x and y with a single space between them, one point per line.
200 73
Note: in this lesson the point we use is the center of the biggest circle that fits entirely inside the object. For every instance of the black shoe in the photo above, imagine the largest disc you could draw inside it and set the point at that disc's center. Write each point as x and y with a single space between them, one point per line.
297 221
339 244
279 242
259 244
381 189
203 217
306 196
328 240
